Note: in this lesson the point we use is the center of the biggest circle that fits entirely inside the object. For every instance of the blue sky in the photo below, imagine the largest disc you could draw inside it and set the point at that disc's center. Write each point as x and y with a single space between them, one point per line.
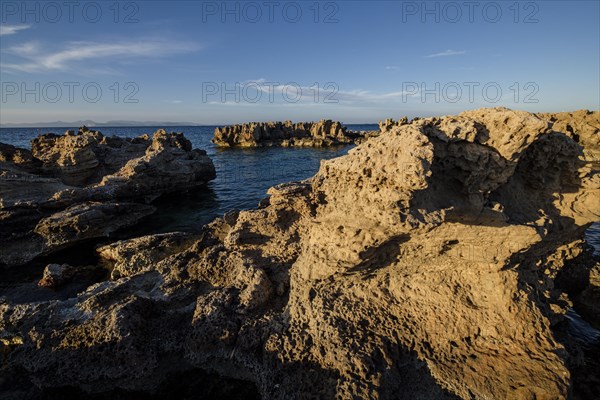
226 62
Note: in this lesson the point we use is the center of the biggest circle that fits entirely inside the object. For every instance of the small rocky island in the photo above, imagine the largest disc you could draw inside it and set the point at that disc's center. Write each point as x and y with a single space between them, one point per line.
438 260
83 185
285 134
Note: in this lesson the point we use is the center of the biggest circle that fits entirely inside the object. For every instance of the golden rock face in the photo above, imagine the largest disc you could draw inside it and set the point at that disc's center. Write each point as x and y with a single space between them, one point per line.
428 261
80 186
284 134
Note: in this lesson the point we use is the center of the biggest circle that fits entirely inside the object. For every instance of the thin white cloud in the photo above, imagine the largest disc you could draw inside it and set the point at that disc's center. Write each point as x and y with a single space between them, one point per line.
447 53
26 49
327 93
6 30
39 60
392 68
175 101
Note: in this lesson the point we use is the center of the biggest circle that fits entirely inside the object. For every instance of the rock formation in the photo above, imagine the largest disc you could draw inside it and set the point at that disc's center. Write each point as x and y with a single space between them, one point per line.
85 185
424 264
389 123
55 275
583 126
131 257
285 134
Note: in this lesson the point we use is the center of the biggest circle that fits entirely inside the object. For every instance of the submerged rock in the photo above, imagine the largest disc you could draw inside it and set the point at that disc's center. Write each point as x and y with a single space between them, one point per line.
286 134
425 263
85 185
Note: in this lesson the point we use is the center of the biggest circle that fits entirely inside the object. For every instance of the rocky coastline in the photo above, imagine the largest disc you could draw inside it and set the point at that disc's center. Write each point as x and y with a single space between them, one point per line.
438 259
286 134
83 185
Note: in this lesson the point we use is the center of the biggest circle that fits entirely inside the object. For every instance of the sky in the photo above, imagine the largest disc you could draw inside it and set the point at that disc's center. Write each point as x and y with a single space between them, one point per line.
214 62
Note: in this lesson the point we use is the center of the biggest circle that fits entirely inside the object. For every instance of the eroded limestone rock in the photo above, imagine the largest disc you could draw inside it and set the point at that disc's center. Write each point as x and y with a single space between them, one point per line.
85 185
131 257
285 134
425 262
55 275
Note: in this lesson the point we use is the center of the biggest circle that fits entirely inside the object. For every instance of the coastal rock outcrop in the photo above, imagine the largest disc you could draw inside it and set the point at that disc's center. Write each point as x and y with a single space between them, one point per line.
11 155
424 263
389 123
285 134
85 185
131 257
583 126
83 157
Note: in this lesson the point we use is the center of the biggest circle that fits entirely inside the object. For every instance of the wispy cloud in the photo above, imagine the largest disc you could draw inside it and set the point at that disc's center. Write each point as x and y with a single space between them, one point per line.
447 53
175 101
392 68
37 59
12 29
326 93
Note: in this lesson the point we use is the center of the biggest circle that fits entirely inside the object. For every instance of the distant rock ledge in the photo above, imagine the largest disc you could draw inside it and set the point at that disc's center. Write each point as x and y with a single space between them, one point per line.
286 134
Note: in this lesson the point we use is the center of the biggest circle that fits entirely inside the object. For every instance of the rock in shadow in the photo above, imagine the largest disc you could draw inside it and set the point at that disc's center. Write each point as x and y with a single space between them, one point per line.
379 256
192 384
186 211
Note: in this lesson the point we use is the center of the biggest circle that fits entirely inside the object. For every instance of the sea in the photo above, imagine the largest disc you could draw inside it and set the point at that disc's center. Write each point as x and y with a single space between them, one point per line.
243 178
243 175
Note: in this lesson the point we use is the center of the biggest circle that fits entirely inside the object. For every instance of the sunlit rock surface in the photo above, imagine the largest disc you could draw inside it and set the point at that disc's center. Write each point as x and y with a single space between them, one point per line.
285 134
85 185
424 264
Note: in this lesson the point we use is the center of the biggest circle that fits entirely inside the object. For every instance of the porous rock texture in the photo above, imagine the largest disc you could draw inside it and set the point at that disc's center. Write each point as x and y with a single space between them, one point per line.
583 126
84 185
286 134
389 123
56 275
130 257
421 265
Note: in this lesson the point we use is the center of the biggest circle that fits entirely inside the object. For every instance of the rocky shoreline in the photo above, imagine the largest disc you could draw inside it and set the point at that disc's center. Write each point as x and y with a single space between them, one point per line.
83 185
437 260
286 134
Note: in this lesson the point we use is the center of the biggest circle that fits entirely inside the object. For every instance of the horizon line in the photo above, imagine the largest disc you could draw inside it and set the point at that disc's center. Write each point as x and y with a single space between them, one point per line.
102 125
